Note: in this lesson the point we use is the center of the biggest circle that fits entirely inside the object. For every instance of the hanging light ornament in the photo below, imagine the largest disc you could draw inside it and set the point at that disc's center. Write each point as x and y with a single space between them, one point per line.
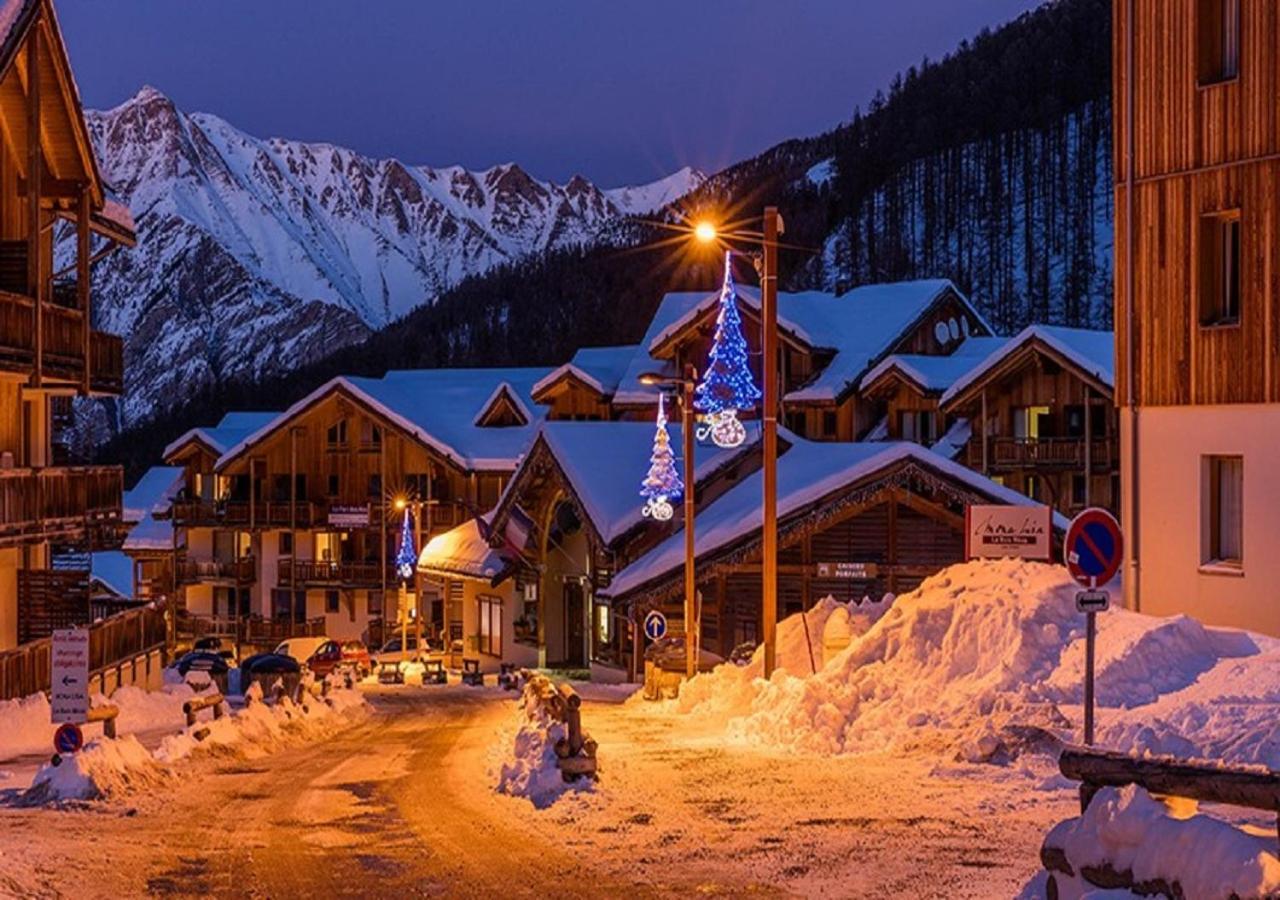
406 556
727 388
662 484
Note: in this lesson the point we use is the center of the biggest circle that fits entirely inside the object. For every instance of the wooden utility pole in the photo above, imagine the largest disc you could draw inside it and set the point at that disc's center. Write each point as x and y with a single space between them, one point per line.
691 623
35 169
82 285
769 323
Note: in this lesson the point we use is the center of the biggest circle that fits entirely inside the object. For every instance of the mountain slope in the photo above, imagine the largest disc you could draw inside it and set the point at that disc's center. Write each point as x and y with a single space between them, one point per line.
257 256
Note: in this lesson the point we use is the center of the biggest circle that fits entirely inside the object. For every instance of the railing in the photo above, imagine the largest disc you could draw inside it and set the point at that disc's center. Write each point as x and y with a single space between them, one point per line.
61 501
191 571
354 574
26 669
246 629
63 343
308 514
1064 452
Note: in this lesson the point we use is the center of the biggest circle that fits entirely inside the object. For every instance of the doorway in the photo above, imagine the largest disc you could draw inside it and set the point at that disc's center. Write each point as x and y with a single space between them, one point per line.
574 629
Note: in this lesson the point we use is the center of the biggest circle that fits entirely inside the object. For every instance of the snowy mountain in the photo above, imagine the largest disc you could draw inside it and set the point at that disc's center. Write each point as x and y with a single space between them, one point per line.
256 256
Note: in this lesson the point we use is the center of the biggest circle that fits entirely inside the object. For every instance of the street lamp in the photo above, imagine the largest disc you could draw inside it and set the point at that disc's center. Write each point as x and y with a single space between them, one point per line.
767 263
687 384
406 567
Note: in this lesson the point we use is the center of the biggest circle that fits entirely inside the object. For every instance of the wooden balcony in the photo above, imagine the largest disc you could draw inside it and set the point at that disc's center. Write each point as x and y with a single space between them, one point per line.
1006 453
216 571
74 503
64 351
335 574
241 514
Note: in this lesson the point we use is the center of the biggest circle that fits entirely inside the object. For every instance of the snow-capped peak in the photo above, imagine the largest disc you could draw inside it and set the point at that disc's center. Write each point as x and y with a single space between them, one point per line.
635 200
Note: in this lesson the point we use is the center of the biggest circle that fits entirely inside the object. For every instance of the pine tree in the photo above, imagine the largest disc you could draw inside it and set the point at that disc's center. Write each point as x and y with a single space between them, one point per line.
406 556
662 484
727 385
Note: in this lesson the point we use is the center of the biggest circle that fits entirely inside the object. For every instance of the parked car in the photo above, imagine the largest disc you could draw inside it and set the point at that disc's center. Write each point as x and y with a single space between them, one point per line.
355 657
301 648
326 658
270 664
213 644
201 661
392 652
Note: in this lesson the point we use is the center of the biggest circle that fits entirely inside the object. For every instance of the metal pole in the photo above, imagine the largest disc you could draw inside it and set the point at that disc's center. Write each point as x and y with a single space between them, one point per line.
1090 636
691 623
769 546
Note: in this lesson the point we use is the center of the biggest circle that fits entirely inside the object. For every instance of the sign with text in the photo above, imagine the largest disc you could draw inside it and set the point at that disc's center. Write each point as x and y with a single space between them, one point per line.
846 570
349 516
69 689
1093 601
992 532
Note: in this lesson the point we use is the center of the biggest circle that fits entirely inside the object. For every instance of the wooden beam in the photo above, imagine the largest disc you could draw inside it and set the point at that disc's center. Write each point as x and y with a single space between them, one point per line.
35 265
82 283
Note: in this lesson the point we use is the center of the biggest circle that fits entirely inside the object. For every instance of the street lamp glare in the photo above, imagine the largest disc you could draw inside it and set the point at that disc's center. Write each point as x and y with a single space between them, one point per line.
401 503
705 232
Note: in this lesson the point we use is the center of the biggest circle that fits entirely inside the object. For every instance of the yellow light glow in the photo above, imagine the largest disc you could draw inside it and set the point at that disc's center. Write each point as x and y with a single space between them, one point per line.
705 232
401 503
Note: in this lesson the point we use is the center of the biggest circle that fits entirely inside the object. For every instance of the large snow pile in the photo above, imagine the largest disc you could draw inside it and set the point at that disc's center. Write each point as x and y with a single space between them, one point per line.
986 658
103 768
1125 830
525 763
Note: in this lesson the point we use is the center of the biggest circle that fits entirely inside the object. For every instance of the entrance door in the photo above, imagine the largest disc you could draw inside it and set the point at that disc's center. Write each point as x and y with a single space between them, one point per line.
574 629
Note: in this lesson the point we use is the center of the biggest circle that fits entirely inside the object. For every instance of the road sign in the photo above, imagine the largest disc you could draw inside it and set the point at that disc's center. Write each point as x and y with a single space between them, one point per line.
69 687
1094 547
655 626
68 738
1093 601
861 570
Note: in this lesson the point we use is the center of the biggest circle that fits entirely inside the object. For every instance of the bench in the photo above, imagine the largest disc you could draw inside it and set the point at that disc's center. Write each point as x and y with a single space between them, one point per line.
434 673
508 678
471 673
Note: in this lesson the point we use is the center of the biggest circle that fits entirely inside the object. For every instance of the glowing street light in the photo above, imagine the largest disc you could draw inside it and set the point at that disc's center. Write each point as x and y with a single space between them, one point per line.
705 232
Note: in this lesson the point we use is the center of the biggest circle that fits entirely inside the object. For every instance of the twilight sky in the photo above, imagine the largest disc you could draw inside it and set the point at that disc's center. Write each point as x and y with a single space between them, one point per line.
621 92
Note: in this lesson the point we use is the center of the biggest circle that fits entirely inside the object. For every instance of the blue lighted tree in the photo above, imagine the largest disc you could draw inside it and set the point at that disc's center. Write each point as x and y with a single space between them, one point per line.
662 484
406 556
727 386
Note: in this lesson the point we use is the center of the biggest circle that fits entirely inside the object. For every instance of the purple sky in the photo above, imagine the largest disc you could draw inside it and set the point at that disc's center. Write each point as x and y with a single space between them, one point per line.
618 91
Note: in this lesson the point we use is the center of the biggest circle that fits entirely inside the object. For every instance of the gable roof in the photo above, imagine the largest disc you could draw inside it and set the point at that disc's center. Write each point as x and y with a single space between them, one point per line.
503 391
859 326
807 472
463 551
439 407
233 428
600 368
933 374
1092 353
157 486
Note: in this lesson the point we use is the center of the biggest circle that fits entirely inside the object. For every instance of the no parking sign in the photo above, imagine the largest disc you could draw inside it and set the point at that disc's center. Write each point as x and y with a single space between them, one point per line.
1094 547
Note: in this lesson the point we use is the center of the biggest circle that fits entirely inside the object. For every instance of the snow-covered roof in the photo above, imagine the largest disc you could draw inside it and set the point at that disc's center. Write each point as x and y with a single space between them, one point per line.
115 570
503 389
463 551
599 367
953 442
606 461
150 534
934 373
1093 352
807 472
858 325
234 427
437 406
155 488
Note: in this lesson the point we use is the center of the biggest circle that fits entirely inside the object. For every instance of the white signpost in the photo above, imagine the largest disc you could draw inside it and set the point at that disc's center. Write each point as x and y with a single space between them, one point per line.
1004 531
69 688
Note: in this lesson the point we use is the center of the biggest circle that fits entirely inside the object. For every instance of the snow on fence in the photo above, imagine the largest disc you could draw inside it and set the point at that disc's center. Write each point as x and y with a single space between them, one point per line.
1099 850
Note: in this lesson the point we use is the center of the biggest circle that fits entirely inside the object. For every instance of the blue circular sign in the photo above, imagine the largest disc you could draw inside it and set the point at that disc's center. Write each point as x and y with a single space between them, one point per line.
68 738
655 626
1094 547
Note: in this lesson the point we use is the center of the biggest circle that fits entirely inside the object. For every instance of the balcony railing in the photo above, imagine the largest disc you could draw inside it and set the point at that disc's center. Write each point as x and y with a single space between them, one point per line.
193 571
305 514
64 351
1054 452
72 502
346 574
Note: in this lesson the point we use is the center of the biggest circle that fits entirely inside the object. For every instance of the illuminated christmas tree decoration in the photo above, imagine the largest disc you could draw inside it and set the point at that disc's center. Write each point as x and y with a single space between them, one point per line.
662 484
727 388
406 556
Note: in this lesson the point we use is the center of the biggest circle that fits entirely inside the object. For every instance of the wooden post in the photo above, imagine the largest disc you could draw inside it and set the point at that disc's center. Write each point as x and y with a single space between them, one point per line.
382 515
293 521
691 623
1088 443
82 286
983 426
769 342
35 169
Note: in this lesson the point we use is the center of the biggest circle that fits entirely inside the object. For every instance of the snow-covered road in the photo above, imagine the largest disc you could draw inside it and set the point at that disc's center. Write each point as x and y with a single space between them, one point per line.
403 804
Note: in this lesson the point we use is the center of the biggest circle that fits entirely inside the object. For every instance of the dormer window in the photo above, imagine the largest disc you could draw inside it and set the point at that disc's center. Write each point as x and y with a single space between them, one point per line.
502 410
336 437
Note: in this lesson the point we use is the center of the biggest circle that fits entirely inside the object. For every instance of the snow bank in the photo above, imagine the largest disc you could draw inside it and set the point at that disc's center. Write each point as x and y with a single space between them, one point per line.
1128 831
104 768
985 659
525 764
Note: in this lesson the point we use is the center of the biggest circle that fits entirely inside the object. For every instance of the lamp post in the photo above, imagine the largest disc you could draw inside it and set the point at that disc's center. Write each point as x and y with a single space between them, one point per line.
692 627
767 263
408 570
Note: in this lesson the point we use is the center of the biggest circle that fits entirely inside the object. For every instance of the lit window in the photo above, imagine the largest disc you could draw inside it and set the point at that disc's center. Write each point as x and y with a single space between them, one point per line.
1222 511
490 631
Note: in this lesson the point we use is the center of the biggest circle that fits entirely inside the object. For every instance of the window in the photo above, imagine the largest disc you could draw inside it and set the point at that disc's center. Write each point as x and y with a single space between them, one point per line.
829 423
1075 421
1222 511
375 603
1220 269
1032 422
1218 40
337 435
1032 487
331 601
916 425
370 435
375 485
286 543
1078 490
490 627
333 485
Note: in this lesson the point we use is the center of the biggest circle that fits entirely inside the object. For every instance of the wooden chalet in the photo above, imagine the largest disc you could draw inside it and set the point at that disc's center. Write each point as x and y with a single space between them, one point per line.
854 520
1040 416
49 350
1197 311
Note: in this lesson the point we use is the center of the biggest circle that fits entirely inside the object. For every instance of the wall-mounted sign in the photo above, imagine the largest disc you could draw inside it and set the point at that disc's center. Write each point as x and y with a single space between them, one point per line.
349 516
846 570
1003 531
